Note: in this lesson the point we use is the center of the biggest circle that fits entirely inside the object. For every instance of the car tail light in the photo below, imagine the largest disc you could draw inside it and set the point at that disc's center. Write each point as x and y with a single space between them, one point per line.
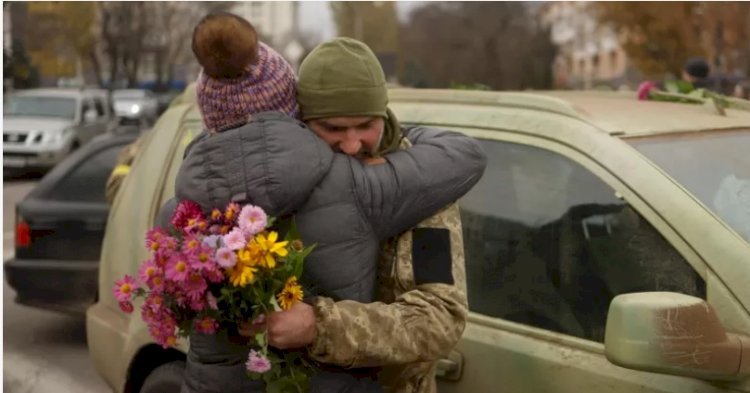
23 233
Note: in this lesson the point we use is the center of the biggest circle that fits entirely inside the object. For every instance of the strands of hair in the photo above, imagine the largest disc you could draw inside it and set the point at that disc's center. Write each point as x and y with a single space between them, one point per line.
225 45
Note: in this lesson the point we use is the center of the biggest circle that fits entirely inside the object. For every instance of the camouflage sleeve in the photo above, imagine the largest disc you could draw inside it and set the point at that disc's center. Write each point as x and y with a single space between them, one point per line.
423 323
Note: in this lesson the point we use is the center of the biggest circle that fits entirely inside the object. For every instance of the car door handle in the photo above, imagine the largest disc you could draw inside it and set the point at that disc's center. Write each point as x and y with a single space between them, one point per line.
451 367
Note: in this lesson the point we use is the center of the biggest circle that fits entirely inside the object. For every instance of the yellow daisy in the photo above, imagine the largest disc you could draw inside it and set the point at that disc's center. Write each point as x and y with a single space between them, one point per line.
269 247
291 294
241 275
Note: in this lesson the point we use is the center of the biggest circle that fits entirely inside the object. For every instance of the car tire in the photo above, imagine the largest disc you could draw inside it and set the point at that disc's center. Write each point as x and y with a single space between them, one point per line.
166 378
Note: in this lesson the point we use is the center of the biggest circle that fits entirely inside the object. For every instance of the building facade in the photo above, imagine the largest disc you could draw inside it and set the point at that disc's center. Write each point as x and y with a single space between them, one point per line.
277 24
589 55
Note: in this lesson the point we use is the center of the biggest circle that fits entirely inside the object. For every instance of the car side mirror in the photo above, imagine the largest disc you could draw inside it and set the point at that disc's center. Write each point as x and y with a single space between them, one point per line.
672 333
90 116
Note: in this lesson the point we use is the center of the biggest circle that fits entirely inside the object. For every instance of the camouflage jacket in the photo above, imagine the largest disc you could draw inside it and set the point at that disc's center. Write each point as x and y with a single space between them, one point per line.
420 315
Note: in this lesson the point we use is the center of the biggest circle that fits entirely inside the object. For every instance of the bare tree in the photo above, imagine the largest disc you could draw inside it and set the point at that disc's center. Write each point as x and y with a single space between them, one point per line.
481 44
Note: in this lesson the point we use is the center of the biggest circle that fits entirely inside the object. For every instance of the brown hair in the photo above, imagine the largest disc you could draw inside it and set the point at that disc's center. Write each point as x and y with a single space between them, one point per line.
224 44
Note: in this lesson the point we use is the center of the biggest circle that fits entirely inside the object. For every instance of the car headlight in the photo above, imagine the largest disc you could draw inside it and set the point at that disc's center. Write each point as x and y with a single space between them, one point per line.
56 136
135 109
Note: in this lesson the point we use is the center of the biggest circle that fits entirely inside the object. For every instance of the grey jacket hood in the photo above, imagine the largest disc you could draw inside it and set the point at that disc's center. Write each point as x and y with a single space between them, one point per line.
265 162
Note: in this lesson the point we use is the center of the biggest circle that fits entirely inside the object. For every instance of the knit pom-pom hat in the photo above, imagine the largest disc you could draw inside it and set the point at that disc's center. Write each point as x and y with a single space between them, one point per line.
241 76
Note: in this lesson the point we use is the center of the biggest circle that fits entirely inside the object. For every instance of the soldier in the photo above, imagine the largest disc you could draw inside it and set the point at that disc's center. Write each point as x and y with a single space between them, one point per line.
422 307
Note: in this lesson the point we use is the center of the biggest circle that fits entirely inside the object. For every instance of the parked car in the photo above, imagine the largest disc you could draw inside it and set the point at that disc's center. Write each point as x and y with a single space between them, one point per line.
59 230
135 104
587 196
43 126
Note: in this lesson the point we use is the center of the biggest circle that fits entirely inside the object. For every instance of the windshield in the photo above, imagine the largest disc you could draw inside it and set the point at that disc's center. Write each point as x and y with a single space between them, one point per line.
714 166
129 94
40 106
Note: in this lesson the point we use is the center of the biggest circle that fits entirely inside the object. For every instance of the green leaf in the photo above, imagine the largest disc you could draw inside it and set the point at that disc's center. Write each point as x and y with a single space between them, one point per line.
292 233
671 86
697 93
684 87
281 385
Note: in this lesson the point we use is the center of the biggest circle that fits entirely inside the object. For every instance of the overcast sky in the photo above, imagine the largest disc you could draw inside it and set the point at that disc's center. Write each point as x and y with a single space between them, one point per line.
315 16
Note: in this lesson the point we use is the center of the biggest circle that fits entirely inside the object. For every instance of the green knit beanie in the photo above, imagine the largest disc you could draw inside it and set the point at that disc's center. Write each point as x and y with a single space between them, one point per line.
341 77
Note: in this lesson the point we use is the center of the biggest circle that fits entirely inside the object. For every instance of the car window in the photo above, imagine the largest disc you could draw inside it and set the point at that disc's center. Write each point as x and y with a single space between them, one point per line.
20 105
549 244
86 182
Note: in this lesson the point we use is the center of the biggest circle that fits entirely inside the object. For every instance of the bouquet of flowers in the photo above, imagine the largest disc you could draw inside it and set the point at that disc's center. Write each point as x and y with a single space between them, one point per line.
684 91
225 268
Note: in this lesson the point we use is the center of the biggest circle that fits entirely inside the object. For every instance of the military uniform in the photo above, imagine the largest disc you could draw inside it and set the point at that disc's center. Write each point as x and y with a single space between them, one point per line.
420 315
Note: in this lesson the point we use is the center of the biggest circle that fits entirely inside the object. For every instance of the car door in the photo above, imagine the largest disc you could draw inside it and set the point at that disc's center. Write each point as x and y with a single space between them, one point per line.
67 219
548 244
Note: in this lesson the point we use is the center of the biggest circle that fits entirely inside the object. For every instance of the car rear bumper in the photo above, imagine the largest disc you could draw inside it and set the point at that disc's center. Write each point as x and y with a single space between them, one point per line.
65 286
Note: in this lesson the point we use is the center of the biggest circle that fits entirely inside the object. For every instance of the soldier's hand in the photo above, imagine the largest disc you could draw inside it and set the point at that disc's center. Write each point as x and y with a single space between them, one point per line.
293 328
251 328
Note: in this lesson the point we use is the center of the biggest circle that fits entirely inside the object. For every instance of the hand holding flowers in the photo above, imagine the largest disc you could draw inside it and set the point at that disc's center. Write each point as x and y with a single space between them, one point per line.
207 272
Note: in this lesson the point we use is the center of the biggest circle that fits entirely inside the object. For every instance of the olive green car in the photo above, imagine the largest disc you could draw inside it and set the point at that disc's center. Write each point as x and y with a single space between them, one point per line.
607 246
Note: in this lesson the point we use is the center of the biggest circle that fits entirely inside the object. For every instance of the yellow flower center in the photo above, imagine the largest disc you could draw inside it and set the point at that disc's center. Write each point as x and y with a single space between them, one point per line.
126 288
203 257
180 266
150 271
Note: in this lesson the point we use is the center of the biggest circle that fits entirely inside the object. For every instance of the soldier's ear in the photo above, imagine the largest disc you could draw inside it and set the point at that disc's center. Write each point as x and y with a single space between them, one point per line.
431 256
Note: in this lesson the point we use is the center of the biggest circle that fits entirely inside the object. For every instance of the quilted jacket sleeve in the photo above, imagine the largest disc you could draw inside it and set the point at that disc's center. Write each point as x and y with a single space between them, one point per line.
415 183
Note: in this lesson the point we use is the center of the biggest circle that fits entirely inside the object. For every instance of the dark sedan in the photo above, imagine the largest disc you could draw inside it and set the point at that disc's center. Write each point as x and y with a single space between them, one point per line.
59 229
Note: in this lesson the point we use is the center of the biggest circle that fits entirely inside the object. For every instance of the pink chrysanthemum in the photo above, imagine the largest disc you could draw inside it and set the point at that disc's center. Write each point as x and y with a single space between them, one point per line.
235 239
190 243
231 212
148 271
154 238
177 268
214 276
211 301
195 286
252 220
185 212
202 259
197 304
206 325
644 89
126 307
225 257
196 225
154 301
124 288
257 363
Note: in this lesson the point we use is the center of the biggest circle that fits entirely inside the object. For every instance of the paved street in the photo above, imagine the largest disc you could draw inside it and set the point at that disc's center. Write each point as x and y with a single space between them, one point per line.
43 351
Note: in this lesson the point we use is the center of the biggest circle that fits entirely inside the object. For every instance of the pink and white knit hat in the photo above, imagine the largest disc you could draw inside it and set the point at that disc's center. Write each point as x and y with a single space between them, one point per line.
269 85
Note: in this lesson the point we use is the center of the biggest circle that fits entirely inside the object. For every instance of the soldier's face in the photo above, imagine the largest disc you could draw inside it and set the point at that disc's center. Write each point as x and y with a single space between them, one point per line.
356 136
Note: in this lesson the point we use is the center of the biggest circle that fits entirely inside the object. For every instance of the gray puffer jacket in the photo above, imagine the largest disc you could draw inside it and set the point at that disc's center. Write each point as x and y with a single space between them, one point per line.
340 204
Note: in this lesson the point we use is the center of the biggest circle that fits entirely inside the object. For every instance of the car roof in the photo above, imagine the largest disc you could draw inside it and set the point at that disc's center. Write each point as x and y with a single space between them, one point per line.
61 92
617 113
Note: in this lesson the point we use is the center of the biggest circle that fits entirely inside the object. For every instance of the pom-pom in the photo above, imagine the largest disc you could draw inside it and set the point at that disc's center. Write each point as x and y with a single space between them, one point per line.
225 45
